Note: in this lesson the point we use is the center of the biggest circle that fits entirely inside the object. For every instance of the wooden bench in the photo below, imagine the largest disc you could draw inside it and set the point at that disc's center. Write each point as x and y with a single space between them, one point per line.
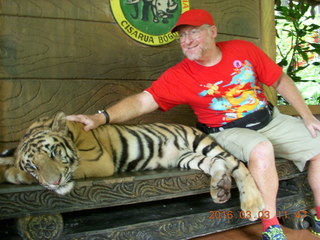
164 204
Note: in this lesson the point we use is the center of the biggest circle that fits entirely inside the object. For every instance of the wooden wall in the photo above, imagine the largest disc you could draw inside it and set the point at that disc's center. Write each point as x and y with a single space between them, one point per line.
71 56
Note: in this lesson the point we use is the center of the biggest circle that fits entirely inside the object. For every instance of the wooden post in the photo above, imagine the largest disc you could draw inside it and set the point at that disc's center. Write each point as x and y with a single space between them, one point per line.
268 43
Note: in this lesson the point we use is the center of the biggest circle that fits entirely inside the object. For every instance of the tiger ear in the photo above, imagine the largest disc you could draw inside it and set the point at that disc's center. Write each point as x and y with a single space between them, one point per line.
59 123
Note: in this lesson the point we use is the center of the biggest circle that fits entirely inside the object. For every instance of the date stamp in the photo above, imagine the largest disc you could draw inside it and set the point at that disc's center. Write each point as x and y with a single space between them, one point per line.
236 215
247 214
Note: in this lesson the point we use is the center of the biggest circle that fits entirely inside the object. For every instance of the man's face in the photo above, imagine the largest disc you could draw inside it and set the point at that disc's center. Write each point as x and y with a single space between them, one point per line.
196 41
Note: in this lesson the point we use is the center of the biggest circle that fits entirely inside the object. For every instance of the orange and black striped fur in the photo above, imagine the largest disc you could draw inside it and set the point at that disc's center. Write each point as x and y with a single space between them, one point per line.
55 151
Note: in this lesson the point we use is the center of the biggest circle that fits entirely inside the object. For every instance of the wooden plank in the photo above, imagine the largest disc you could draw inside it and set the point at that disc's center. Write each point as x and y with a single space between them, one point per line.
288 109
232 17
268 33
73 39
268 40
27 100
53 48
188 218
224 37
121 189
237 18
128 188
89 10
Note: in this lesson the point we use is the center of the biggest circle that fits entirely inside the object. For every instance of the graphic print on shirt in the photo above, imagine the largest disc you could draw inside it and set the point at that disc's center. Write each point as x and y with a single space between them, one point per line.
239 97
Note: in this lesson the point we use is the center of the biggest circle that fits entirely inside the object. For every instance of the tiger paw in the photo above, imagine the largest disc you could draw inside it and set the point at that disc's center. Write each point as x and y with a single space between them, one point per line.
16 176
220 189
252 203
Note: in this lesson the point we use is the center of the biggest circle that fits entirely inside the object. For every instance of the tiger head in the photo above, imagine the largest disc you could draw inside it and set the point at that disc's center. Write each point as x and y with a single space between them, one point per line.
47 153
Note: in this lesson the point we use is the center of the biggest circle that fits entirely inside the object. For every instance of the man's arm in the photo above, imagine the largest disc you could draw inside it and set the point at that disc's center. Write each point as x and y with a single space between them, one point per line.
286 87
128 108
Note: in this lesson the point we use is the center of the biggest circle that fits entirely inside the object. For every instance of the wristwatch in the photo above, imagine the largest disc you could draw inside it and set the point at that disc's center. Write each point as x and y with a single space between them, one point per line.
105 114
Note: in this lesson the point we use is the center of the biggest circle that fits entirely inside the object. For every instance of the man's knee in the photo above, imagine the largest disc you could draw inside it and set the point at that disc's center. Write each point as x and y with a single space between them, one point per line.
262 155
316 158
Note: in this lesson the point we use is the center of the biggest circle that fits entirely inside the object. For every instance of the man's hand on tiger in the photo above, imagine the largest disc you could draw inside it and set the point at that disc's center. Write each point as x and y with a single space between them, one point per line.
89 121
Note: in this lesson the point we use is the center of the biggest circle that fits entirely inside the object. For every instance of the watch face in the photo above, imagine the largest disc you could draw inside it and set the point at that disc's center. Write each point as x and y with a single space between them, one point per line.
106 115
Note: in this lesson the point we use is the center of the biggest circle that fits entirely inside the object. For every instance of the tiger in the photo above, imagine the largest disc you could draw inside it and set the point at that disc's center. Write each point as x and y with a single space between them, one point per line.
54 152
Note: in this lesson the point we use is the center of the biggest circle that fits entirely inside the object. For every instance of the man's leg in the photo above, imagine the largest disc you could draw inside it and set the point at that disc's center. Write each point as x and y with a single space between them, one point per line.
255 149
314 179
263 169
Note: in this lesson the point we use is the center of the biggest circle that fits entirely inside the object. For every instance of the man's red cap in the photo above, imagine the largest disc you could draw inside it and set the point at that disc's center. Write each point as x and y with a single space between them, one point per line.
194 17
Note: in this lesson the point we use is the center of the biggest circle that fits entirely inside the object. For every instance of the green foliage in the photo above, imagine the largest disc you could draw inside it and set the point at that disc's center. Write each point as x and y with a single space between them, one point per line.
297 47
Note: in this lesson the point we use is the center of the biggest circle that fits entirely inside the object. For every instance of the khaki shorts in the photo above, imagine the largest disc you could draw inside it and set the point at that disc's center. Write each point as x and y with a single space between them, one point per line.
289 136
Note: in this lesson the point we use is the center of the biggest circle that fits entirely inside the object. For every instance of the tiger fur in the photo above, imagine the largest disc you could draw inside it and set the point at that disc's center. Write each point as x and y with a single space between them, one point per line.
54 151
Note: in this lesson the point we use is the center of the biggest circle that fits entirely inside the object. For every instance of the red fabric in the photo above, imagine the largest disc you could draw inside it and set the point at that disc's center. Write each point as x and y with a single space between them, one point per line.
267 222
221 93
194 17
318 212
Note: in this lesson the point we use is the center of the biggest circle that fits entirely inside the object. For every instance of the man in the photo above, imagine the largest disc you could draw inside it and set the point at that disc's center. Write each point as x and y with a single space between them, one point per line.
221 81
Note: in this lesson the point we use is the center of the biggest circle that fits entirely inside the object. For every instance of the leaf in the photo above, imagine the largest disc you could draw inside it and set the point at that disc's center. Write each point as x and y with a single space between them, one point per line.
283 63
314 27
305 56
294 30
296 78
315 45
303 7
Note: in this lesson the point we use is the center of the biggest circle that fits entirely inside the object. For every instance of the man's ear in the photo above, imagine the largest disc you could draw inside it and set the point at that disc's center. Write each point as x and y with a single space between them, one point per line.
214 31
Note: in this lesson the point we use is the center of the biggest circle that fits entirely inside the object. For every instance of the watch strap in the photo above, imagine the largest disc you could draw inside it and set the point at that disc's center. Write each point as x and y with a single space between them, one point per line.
105 114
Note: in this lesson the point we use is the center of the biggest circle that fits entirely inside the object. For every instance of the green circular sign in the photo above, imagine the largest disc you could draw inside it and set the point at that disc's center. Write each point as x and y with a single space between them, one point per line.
149 21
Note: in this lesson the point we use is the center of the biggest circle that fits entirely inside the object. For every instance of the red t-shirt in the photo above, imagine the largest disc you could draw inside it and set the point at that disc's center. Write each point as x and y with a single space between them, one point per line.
224 92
